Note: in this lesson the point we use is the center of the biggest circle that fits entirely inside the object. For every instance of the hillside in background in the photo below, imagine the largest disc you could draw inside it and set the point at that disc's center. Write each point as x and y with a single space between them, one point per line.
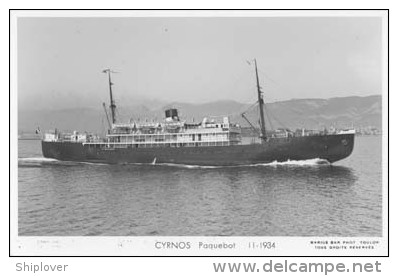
296 113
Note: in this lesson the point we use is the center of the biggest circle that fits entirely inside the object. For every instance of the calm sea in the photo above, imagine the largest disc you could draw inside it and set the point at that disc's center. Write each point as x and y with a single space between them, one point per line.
288 199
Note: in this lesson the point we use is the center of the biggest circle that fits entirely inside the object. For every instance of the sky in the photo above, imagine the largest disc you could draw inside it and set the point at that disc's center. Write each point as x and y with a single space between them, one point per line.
195 60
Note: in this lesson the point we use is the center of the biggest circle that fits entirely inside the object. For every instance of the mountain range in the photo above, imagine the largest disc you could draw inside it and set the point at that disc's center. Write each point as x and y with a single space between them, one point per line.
340 112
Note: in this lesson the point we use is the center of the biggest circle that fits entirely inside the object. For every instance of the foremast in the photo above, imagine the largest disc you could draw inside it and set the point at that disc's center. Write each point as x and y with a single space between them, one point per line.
261 106
113 105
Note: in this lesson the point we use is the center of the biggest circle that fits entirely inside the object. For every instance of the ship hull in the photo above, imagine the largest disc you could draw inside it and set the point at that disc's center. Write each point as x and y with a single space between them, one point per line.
329 147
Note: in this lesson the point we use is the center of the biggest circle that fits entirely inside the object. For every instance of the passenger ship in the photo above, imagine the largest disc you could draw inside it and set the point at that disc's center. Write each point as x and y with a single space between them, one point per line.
209 142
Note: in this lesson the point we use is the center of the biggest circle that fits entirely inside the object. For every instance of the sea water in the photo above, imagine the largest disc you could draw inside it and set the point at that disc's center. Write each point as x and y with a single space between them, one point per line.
294 198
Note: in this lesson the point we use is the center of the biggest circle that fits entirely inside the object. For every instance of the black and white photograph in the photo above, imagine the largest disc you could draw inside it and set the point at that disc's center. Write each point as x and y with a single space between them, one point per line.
199 133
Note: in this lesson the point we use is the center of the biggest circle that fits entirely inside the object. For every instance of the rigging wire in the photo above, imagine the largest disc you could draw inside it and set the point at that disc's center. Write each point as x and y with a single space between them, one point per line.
250 107
268 77
268 117
279 122
276 87
235 113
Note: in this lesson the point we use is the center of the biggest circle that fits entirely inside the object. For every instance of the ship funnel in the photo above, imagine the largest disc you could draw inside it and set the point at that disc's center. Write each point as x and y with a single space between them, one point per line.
172 114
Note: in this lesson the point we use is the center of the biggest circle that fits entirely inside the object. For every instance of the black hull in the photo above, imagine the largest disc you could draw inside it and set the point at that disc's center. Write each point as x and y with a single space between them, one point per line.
329 147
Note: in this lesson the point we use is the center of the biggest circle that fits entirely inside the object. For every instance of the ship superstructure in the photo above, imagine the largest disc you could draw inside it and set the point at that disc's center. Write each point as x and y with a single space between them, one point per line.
170 133
174 133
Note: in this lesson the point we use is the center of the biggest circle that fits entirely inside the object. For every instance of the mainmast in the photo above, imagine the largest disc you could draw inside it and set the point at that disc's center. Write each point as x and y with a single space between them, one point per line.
113 105
261 105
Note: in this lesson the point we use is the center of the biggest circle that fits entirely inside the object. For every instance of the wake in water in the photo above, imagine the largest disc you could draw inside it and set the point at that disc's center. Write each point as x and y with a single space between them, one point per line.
38 161
308 162
290 163
43 161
